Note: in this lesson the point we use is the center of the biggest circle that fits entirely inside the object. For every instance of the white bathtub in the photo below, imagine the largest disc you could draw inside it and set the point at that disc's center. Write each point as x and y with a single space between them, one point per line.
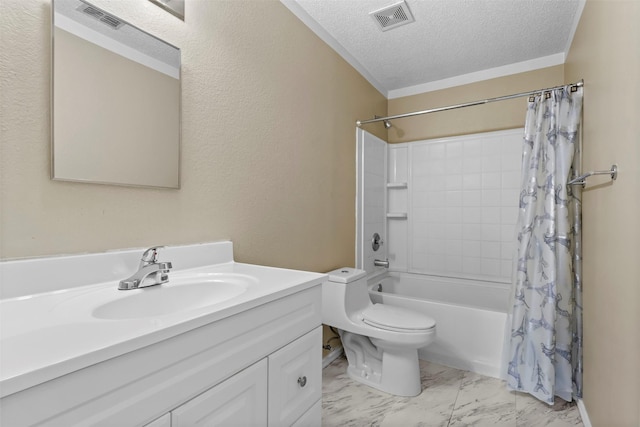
470 316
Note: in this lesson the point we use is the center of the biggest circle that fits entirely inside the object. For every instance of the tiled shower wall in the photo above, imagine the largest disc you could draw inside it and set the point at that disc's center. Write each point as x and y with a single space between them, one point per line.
461 201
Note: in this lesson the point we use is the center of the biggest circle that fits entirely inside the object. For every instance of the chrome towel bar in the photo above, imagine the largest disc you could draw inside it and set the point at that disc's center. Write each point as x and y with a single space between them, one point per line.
582 179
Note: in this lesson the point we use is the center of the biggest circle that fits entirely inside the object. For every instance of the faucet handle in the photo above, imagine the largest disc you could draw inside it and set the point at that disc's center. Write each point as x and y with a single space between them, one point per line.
150 255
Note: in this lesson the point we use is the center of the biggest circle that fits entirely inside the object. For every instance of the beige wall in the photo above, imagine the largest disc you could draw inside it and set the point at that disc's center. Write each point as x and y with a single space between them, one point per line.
482 118
605 52
268 149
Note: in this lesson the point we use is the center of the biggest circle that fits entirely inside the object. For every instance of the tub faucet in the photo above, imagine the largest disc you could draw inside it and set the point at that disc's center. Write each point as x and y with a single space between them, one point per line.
150 271
381 263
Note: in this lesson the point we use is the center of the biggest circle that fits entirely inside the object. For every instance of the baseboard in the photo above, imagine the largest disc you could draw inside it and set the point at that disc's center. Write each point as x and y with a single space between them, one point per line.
583 413
335 353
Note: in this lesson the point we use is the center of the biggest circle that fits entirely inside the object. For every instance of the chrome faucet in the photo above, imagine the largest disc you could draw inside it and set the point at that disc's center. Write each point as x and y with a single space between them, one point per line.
381 263
150 271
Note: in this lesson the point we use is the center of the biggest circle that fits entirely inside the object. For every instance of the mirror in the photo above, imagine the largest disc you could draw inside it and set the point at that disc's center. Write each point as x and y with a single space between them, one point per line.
115 100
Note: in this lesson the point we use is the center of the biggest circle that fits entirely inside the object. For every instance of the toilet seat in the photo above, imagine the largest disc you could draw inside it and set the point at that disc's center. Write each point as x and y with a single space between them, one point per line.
396 319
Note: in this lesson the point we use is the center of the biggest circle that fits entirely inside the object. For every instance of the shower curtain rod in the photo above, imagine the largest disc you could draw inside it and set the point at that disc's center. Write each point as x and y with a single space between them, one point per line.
359 123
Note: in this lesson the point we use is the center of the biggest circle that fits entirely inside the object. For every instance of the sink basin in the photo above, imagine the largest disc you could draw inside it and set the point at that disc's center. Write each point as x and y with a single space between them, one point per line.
171 297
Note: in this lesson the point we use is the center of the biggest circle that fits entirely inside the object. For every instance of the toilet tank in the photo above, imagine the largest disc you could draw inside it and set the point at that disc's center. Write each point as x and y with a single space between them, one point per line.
346 275
351 283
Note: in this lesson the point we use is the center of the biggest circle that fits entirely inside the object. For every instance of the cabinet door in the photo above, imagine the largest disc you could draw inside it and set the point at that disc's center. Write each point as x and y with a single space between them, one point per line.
238 401
295 379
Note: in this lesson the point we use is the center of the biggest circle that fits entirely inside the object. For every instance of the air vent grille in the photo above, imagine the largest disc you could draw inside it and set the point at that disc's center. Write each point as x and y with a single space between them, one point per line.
101 16
392 16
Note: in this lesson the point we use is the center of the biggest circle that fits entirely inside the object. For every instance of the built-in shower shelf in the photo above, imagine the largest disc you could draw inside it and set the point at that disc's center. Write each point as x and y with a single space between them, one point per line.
396 185
397 215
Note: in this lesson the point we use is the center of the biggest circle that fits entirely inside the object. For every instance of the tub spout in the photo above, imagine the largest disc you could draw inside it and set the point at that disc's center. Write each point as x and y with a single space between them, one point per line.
381 263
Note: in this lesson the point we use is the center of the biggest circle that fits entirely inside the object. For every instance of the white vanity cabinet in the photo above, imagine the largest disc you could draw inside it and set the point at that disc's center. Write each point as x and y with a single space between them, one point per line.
260 366
239 401
283 389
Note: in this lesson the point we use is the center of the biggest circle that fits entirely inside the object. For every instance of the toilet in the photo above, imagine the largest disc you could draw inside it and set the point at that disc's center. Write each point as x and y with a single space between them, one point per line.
381 341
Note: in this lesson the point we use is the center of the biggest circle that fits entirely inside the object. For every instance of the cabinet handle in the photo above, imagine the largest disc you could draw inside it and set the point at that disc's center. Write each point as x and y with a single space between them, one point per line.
302 381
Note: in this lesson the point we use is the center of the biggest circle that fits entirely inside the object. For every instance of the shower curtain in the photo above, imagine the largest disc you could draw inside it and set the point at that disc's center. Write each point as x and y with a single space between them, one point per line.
545 348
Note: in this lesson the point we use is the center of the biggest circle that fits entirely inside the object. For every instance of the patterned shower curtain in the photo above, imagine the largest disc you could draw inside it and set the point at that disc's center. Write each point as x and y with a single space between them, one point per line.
545 348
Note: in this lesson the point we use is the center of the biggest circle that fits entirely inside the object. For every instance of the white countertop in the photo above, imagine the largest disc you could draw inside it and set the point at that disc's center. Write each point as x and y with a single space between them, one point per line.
47 335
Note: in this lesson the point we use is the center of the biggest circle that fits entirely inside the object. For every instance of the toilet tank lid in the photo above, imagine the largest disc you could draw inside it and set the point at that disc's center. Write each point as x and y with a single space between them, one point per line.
346 275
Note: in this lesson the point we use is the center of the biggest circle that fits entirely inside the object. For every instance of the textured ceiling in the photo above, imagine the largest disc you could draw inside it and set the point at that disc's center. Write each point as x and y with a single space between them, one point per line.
449 39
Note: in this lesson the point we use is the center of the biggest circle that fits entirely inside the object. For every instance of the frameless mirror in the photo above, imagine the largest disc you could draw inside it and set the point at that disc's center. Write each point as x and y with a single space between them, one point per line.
116 100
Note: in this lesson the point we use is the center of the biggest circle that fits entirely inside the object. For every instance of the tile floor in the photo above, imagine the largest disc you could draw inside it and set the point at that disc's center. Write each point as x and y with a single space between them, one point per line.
450 397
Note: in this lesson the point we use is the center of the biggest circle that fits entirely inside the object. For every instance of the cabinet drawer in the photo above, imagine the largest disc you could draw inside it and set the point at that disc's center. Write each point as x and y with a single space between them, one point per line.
295 379
238 401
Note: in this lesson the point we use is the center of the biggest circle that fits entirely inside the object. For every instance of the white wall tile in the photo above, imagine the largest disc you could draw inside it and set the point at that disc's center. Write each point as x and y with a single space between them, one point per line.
472 148
491 250
471 231
453 165
472 266
490 163
472 248
491 197
490 267
437 152
453 149
453 198
453 264
491 147
509 215
472 215
464 195
511 179
491 215
472 198
472 181
491 180
506 268
472 164
510 197
490 232
508 233
453 231
507 249
453 182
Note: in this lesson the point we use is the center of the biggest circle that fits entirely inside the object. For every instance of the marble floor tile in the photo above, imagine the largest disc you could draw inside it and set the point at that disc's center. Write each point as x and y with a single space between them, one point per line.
534 413
348 403
450 397
483 401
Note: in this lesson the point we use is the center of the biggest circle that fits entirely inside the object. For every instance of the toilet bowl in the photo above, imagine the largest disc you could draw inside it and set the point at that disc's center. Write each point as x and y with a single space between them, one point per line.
381 341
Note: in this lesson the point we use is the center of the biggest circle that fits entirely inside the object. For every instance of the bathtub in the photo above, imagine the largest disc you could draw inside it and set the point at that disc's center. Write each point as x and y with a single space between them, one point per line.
470 316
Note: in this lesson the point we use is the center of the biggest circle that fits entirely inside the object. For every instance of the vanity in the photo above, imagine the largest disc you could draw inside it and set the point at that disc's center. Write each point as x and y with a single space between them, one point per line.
221 343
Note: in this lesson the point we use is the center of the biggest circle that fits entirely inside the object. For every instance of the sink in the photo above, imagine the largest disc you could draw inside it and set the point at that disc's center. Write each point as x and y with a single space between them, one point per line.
172 297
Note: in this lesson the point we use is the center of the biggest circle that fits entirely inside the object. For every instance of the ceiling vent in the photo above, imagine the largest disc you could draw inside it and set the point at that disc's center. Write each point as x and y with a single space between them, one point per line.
392 16
101 16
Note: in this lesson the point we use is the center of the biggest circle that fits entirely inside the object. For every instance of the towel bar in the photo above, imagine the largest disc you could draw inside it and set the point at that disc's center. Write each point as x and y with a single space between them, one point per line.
582 179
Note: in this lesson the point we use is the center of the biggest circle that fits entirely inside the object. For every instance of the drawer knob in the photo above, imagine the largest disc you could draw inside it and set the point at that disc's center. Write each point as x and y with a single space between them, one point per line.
302 381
